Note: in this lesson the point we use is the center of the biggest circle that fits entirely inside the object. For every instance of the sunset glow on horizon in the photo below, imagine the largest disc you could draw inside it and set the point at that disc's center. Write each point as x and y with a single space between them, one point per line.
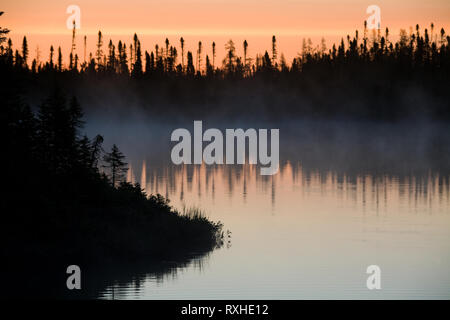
44 22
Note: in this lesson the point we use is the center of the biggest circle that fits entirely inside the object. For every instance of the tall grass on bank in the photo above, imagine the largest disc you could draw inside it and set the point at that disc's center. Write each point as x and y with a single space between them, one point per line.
195 214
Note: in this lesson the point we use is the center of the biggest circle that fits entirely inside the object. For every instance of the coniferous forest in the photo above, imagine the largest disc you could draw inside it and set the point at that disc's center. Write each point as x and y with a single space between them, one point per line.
365 76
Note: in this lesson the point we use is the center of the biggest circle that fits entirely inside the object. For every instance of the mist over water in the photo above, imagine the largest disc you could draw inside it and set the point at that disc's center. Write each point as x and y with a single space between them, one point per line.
348 195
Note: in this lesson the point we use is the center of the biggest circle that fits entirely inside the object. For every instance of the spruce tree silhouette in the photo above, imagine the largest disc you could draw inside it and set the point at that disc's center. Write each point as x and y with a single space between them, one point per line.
115 164
25 52
148 64
99 52
209 68
50 63
230 57
214 55
274 50
111 64
182 52
137 69
245 45
190 69
199 56
60 63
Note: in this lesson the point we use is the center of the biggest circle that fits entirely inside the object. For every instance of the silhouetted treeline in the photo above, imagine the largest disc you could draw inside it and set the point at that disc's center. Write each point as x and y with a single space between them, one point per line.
428 49
367 75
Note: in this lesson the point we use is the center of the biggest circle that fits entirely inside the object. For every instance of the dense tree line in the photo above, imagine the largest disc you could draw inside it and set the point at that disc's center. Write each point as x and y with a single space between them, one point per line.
414 50
367 75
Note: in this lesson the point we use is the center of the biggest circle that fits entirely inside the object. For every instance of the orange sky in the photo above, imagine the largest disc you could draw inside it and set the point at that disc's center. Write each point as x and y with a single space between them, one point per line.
44 21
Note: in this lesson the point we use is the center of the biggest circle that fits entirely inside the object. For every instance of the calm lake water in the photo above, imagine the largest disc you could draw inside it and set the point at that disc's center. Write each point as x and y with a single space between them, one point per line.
345 197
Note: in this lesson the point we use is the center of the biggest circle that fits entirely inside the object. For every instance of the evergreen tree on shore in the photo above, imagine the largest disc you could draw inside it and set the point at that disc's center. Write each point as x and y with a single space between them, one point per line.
114 162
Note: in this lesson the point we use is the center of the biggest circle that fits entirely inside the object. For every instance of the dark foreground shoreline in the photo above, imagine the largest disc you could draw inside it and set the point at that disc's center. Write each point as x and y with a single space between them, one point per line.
124 240
66 203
